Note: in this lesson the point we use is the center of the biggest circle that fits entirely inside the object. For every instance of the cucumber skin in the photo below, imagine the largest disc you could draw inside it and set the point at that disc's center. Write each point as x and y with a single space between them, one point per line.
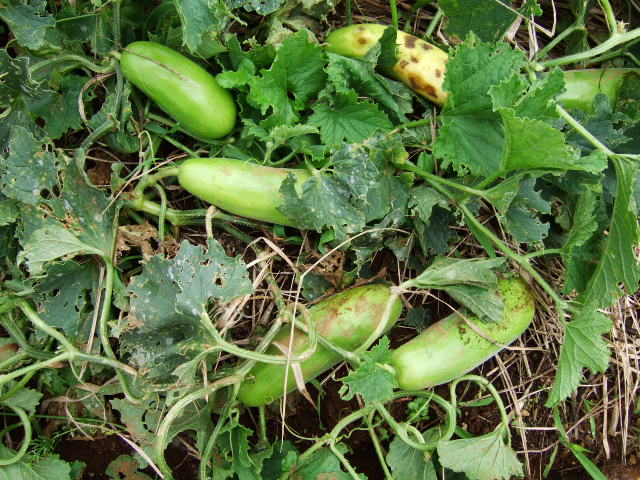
241 188
345 319
181 88
583 85
421 66
449 348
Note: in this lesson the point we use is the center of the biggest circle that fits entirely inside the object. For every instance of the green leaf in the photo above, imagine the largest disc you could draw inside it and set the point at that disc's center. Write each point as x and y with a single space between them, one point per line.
480 458
167 301
593 471
445 272
295 76
28 172
9 211
423 199
532 144
409 463
51 243
471 137
538 101
522 216
142 421
203 276
347 119
578 249
273 467
488 19
261 7
282 133
371 379
388 47
29 24
471 282
25 398
199 18
618 263
44 468
324 202
583 346
350 191
321 464
60 110
126 467
63 295
235 451
355 75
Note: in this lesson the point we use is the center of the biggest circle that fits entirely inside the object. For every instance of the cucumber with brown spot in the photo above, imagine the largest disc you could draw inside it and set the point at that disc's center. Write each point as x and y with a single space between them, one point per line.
421 66
346 319
451 348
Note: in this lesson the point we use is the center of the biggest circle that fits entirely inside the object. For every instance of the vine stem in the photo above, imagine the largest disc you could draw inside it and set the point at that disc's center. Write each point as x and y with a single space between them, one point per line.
401 431
26 440
434 23
222 344
176 410
376 445
104 337
64 357
185 217
608 13
578 24
613 41
470 218
519 259
211 442
494 393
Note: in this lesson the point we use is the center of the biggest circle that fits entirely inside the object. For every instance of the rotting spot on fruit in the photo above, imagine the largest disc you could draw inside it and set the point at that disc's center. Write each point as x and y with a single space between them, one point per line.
438 73
360 28
418 85
362 41
403 64
410 41
425 46
414 59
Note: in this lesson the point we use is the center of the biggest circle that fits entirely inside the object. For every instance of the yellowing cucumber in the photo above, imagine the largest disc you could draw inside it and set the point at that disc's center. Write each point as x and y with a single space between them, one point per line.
421 66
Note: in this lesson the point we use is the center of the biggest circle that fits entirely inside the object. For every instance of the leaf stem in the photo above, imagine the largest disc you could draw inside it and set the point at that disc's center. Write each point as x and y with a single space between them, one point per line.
394 15
519 259
163 211
185 217
613 41
77 59
431 178
544 251
583 131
